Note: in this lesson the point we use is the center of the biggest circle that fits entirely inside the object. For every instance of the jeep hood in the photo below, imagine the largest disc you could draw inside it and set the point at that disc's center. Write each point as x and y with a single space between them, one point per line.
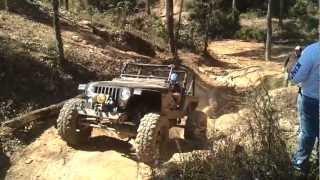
157 84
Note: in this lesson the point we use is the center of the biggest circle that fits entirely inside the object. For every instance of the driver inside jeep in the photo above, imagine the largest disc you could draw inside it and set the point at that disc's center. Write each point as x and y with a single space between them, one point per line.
175 88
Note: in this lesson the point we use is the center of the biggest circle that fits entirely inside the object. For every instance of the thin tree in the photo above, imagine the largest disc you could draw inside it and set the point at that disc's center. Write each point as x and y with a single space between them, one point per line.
56 27
179 21
148 8
319 18
83 4
6 7
208 15
234 9
170 27
281 13
269 33
66 4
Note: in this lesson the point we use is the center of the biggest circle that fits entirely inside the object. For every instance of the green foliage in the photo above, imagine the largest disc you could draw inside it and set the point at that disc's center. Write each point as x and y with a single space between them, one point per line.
2 5
306 20
299 9
254 13
305 11
159 27
249 33
208 18
110 4
188 37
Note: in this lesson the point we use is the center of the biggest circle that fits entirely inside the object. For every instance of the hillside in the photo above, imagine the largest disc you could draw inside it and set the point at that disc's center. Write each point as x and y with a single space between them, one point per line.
232 78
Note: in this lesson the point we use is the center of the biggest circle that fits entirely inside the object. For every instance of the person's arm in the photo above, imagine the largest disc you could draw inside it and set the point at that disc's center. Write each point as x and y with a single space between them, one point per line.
302 68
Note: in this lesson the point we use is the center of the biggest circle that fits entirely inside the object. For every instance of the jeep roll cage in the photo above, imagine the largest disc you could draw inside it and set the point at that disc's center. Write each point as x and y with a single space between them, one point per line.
136 70
160 72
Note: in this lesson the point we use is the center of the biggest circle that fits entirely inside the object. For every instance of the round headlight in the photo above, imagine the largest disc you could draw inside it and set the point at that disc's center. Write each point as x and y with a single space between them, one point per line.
125 94
101 98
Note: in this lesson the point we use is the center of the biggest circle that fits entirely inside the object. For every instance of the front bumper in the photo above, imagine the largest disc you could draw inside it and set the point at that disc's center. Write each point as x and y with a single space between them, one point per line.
100 111
99 114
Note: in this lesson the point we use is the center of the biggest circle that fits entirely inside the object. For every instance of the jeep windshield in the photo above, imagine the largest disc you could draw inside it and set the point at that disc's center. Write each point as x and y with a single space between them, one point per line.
146 71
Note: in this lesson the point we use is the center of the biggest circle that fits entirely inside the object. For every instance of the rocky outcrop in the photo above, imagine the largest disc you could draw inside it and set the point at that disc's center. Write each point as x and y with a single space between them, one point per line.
283 100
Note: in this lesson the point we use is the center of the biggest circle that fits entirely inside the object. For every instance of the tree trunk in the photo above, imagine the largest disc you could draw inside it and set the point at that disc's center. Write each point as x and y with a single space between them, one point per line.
206 39
148 9
6 7
207 26
56 27
170 28
281 13
83 4
234 9
179 21
269 33
66 4
36 115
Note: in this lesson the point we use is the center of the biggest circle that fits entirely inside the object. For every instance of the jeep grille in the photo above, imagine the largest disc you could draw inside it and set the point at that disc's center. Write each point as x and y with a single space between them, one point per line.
111 91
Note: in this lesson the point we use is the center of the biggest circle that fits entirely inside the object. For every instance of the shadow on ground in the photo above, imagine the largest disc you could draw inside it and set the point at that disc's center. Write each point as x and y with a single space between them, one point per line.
208 60
4 165
279 53
105 143
29 81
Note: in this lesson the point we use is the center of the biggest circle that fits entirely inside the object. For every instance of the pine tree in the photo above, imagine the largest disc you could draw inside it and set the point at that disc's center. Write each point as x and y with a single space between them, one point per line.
56 27
269 33
208 14
148 8
179 21
234 9
170 27
281 13
6 6
66 4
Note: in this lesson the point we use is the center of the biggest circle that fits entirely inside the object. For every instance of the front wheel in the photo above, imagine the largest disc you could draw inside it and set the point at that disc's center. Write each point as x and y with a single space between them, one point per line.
68 124
152 138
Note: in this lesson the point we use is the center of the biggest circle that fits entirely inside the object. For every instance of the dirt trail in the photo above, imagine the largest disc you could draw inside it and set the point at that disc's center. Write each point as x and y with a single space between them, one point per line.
48 157
106 156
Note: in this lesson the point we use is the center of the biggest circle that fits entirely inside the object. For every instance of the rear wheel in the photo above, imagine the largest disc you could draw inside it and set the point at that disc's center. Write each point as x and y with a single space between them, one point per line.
152 138
196 126
68 124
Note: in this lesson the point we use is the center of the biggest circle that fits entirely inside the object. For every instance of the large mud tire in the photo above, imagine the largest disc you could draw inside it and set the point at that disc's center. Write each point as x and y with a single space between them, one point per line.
68 124
196 126
152 139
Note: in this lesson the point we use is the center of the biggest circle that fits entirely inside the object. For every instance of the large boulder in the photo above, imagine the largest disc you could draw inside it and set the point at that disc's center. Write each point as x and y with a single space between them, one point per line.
254 76
283 100
226 124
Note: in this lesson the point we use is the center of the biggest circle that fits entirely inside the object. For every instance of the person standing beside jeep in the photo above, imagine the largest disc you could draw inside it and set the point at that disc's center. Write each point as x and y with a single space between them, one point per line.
305 73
